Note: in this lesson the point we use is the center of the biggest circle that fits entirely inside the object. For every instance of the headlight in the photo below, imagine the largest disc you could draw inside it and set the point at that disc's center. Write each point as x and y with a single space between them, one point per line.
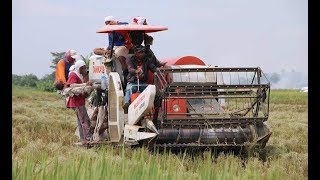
176 108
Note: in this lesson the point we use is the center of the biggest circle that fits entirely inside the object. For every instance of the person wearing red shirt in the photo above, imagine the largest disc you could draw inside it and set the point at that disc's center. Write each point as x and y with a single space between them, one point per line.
77 102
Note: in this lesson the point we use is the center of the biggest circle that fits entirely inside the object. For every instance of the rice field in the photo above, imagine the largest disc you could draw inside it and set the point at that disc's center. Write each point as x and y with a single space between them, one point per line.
43 136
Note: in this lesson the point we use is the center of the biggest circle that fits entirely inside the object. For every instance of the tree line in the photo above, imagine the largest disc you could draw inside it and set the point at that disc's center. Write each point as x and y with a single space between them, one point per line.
46 82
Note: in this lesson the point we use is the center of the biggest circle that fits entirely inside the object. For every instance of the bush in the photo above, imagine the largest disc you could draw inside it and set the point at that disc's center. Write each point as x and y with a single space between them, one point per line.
48 77
46 85
29 80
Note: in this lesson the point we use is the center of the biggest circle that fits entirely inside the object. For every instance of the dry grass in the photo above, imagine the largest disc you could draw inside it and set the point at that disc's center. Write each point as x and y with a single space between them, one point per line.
43 133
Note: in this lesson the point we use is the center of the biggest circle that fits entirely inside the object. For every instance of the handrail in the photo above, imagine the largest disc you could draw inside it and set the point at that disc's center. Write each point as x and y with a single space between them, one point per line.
215 69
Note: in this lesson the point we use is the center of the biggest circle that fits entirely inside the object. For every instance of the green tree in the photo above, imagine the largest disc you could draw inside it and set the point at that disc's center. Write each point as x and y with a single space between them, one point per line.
46 85
29 80
56 57
46 82
48 77
16 79
86 59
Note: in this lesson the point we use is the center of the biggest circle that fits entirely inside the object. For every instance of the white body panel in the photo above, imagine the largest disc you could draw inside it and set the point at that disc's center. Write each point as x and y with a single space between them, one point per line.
132 136
141 105
115 111
96 68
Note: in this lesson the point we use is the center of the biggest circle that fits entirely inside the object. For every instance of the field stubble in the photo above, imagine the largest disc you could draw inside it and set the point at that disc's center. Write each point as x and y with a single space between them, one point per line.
43 134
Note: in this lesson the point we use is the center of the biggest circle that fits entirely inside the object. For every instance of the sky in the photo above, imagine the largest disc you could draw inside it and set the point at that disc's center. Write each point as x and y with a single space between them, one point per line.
272 35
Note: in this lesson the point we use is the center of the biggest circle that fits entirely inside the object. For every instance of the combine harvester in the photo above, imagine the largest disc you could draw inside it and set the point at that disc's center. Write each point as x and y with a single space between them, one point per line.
188 104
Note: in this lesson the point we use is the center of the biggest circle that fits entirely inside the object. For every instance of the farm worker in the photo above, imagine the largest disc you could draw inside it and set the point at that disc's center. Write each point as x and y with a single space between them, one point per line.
122 44
122 41
139 37
77 102
138 67
62 68
140 20
71 69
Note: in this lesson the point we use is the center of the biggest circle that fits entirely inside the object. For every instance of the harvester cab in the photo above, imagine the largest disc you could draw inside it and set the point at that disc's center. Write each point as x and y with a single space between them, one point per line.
188 103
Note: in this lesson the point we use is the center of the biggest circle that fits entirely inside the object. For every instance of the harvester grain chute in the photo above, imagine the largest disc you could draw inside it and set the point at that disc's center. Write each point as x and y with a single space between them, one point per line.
187 103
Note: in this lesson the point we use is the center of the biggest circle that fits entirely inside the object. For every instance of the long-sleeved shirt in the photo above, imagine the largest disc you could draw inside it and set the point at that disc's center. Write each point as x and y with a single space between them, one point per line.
146 66
137 37
120 38
62 71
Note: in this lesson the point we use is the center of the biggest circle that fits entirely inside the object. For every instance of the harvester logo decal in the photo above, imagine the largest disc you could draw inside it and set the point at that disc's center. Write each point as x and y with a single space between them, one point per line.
138 102
98 69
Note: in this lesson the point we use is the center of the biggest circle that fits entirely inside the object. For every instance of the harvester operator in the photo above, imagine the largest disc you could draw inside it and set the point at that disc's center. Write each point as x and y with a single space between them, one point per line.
138 67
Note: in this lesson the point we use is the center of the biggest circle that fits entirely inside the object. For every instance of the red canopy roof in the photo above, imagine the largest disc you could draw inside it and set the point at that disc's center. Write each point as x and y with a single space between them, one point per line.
131 27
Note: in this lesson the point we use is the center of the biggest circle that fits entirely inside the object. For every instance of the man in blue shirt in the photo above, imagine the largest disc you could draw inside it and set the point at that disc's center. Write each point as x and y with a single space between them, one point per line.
122 44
